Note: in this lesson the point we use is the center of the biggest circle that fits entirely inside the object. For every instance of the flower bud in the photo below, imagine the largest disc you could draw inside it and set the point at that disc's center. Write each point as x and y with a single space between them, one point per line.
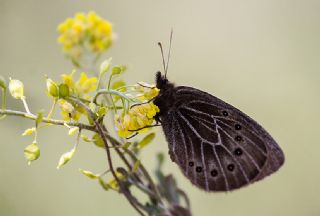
29 131
3 83
105 66
65 158
52 88
32 152
16 89
89 174
73 130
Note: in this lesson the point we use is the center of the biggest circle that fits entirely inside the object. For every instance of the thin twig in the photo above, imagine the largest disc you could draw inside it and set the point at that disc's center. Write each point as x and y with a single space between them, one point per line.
46 120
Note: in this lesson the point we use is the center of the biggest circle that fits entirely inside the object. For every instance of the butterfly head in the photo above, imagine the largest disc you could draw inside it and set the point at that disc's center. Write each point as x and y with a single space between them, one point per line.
162 82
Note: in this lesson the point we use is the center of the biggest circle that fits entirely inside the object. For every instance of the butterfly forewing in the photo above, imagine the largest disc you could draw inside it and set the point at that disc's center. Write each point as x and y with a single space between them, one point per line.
217 147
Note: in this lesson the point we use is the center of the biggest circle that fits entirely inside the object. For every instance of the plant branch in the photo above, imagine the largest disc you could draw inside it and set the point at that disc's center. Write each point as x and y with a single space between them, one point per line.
46 120
100 130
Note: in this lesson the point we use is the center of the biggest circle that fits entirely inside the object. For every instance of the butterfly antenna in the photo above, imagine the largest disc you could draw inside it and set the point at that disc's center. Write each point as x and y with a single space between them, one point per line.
166 69
163 61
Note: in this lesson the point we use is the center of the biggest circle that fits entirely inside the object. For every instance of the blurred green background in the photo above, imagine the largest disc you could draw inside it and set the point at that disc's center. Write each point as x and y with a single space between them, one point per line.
261 56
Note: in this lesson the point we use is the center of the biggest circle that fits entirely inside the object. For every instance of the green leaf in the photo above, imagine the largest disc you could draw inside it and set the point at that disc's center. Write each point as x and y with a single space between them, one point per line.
118 84
97 140
85 138
146 140
39 118
126 145
103 184
160 158
116 70
63 90
89 174
136 166
32 152
102 111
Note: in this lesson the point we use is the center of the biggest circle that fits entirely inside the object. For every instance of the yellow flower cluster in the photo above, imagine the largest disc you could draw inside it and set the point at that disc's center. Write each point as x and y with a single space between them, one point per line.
146 91
85 32
135 119
81 88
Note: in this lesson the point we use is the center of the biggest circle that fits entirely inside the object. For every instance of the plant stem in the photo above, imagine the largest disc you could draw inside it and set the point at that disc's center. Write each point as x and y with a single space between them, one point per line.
100 130
46 120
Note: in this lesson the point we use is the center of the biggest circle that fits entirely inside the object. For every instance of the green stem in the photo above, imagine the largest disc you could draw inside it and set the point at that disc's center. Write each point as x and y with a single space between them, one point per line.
25 105
112 92
52 108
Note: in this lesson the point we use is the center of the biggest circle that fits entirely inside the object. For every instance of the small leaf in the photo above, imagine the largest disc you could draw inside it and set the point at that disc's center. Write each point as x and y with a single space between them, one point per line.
160 158
116 70
102 111
73 130
39 118
118 84
29 131
146 140
136 166
63 90
65 158
126 145
89 174
104 185
85 138
32 152
97 140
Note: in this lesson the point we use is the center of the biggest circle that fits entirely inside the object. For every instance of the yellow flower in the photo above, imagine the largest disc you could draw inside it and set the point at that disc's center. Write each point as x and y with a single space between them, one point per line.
137 119
146 91
85 31
81 89
83 86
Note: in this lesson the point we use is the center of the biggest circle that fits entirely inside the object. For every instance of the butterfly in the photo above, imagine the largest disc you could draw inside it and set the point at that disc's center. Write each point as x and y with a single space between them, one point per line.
217 147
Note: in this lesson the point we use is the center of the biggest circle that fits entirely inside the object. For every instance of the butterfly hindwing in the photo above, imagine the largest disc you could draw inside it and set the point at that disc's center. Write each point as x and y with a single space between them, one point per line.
217 147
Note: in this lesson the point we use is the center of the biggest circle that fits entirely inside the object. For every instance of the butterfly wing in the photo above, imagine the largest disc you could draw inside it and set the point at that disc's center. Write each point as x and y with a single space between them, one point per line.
217 147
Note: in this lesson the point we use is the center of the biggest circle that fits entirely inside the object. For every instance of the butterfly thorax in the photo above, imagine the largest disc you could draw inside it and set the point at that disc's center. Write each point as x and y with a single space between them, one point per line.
166 96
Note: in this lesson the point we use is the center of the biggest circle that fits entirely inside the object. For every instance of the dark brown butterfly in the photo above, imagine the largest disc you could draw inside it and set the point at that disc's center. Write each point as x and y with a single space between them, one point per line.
217 147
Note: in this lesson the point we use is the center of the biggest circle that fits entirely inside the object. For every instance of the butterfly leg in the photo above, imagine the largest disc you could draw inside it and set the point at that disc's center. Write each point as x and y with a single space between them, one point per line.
148 126
138 104
135 134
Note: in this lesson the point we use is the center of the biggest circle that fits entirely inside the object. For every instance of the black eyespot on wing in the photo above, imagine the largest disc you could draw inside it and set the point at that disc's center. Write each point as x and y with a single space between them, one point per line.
198 169
238 138
230 167
237 127
214 173
191 163
225 113
238 152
